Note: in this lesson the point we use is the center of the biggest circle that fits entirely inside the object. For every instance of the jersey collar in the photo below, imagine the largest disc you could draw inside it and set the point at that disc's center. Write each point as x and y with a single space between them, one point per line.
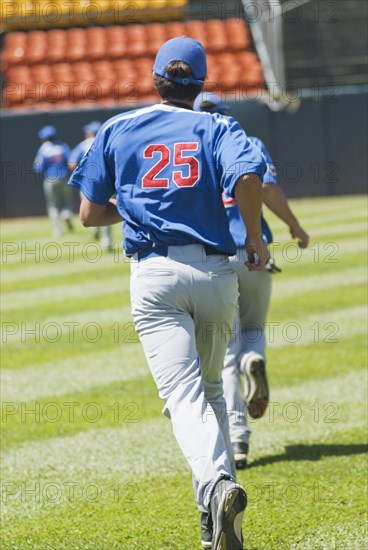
177 104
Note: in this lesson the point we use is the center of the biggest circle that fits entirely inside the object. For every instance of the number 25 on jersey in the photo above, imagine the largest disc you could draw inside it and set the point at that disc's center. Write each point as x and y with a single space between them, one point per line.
181 157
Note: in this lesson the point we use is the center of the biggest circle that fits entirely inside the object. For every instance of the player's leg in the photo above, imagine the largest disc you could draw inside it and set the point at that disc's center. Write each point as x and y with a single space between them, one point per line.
247 344
106 237
66 200
213 311
255 293
51 199
161 295
234 397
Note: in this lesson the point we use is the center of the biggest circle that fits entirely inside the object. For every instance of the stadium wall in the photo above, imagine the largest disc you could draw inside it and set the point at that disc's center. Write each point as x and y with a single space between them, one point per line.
319 150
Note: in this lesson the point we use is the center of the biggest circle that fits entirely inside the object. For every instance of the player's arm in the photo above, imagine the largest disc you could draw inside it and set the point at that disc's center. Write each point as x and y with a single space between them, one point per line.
72 166
38 163
248 195
97 215
275 199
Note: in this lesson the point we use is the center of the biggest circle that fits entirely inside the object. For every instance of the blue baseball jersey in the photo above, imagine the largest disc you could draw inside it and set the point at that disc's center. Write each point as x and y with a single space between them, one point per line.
169 166
52 160
237 227
80 150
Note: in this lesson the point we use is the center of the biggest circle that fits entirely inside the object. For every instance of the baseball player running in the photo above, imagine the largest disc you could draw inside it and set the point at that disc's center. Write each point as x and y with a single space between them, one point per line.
52 161
169 166
90 130
245 353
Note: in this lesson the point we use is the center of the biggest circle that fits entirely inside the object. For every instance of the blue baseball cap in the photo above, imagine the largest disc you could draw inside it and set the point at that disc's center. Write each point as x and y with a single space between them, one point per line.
216 105
184 49
47 132
92 127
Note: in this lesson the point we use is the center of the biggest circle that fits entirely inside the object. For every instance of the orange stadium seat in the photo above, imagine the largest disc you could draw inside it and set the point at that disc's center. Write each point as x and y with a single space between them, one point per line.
156 31
175 29
106 64
136 49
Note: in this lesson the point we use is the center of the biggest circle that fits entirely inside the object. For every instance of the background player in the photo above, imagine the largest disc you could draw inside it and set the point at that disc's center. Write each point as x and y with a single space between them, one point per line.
246 351
169 166
90 130
52 161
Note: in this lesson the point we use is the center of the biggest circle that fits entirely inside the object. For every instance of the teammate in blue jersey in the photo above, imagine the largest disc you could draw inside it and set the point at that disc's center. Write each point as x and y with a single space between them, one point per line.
90 130
169 166
52 161
245 352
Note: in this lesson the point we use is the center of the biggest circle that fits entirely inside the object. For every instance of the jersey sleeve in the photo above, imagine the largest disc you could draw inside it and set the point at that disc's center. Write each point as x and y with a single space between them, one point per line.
95 174
66 151
235 154
76 155
39 162
271 173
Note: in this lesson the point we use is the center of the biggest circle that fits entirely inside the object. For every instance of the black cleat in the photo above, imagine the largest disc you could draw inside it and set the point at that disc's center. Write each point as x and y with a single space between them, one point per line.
240 455
228 504
69 224
206 530
256 386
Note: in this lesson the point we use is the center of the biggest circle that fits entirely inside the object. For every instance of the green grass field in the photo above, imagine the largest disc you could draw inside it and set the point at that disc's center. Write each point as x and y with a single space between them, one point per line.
88 460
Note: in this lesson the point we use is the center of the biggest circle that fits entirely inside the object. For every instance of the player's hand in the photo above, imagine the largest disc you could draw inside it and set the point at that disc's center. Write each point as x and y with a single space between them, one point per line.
257 254
299 233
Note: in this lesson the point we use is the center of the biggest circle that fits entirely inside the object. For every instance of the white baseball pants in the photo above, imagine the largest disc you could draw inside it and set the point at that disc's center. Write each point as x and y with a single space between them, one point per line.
183 306
248 337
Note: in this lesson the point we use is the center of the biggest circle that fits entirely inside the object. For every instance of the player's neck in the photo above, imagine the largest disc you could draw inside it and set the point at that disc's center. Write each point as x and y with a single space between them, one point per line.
183 103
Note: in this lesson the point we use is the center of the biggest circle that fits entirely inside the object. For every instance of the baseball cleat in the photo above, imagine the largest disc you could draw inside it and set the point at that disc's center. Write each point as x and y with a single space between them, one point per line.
240 454
228 504
96 233
206 530
256 385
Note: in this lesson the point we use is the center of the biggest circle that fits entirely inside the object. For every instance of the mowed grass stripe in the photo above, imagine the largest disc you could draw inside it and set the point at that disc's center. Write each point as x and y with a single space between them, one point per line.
40 228
67 326
52 335
315 302
117 280
41 340
330 326
73 316
114 405
23 299
76 374
328 208
351 535
323 381
319 257
296 285
293 421
85 343
62 272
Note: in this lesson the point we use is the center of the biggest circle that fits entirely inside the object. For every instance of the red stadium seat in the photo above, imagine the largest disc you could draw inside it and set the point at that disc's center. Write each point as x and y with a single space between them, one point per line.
75 53
103 69
153 46
15 38
175 29
135 33
95 33
156 31
143 65
83 66
198 31
13 57
136 49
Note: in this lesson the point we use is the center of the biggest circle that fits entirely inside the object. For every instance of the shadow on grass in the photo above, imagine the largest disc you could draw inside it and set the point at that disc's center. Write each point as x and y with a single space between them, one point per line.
310 452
